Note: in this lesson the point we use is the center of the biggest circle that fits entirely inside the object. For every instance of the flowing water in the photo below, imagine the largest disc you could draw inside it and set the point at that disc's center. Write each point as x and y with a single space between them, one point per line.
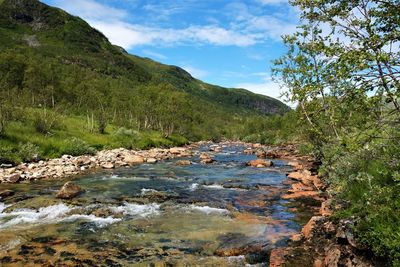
221 214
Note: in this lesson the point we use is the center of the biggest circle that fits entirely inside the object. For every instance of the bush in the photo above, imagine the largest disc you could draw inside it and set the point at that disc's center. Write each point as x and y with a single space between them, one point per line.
77 147
45 121
367 178
8 155
122 131
28 152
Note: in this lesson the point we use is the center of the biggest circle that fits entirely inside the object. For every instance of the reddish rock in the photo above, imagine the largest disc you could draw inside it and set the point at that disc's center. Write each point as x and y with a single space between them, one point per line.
298 187
303 194
325 209
259 163
332 258
205 158
309 227
318 263
277 257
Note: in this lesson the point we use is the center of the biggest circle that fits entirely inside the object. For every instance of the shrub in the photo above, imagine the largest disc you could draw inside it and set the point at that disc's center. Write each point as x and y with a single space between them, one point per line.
77 147
8 155
28 152
45 121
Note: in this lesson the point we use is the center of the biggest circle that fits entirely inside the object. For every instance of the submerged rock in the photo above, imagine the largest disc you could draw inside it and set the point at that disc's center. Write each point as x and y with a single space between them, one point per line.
183 163
69 190
259 163
6 193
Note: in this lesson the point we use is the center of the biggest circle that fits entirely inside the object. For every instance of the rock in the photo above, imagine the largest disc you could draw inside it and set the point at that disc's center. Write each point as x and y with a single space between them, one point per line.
207 161
183 163
69 190
216 148
277 257
296 165
303 176
303 194
14 178
134 159
261 154
82 161
325 208
332 258
296 237
259 163
248 151
151 160
318 263
205 158
177 150
107 165
6 193
309 227
298 187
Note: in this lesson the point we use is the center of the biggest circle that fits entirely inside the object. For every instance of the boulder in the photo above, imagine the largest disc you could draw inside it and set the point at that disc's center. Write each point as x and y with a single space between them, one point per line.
13 178
82 161
205 158
134 159
69 190
259 163
107 165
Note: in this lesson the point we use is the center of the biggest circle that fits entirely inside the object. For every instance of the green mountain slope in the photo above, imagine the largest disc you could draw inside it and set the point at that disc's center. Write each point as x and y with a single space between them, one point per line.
54 67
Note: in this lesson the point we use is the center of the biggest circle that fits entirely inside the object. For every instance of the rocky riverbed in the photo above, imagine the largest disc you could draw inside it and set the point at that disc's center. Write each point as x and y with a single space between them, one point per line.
206 204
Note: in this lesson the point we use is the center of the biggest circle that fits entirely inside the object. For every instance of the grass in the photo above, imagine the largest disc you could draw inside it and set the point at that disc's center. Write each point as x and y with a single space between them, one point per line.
58 141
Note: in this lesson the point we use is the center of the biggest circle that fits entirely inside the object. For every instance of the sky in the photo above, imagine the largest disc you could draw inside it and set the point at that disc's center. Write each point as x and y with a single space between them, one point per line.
222 42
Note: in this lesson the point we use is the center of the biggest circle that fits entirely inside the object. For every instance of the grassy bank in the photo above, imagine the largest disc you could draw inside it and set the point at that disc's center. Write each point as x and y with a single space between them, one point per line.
71 135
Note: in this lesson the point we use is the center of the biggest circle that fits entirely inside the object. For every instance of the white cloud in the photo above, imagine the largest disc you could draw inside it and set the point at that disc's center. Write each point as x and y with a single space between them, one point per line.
195 72
130 35
90 9
245 29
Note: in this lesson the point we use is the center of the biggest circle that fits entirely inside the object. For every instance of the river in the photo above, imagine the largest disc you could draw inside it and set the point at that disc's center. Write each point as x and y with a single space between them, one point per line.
220 214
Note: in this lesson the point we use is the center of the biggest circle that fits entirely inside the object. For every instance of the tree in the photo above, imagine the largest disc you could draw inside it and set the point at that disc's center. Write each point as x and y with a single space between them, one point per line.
344 59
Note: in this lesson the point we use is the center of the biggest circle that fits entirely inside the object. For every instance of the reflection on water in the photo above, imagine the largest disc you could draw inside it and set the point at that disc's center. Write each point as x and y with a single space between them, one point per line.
221 214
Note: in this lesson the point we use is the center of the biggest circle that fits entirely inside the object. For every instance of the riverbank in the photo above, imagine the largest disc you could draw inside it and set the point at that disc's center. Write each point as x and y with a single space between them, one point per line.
323 241
67 165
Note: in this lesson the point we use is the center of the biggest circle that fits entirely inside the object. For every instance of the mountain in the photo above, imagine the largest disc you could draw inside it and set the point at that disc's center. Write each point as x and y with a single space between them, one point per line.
53 61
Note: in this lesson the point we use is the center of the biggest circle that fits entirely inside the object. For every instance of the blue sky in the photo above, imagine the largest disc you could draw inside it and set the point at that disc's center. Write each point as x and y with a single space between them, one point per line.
227 43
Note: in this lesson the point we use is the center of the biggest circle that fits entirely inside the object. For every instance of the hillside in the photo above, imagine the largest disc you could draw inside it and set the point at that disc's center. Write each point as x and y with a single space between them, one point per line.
55 68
